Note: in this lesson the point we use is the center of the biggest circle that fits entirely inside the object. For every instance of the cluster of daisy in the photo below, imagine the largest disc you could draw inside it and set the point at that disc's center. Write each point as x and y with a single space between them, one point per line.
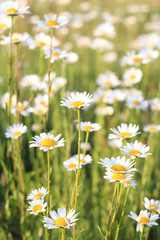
36 198
80 101
122 169
147 217
119 168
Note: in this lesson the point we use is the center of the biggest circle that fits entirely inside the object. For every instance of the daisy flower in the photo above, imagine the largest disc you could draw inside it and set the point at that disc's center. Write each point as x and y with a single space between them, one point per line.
104 111
15 131
101 45
56 54
77 100
24 109
53 22
41 100
108 79
124 131
132 76
47 141
118 165
137 102
16 38
144 218
12 8
60 219
83 160
31 80
5 101
136 149
152 205
149 55
71 164
37 206
105 29
5 23
151 128
39 110
89 127
131 183
118 177
155 104
37 194
116 95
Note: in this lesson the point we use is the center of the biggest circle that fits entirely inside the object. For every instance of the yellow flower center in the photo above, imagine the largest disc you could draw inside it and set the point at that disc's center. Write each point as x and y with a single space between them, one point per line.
118 176
38 195
82 161
151 128
126 182
3 25
40 44
77 104
52 23
11 11
48 142
134 152
133 76
107 83
43 102
86 128
149 55
61 222
16 133
153 207
40 111
144 220
72 165
115 98
52 91
29 83
21 107
37 208
55 54
137 59
136 102
118 168
125 134
15 40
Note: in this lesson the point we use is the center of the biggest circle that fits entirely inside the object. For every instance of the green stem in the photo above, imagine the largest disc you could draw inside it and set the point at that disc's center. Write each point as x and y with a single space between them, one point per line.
119 193
78 171
49 73
48 200
85 146
141 235
125 201
16 80
63 234
10 72
110 214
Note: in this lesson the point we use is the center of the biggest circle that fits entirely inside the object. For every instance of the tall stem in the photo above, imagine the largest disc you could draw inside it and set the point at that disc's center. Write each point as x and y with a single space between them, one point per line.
10 72
48 201
141 235
85 146
16 80
63 234
49 73
78 171
125 201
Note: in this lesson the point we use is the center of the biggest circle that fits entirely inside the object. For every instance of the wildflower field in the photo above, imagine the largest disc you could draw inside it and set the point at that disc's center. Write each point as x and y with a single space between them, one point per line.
79 118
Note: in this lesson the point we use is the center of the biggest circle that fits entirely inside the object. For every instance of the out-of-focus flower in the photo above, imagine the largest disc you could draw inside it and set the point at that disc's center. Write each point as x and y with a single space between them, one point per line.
15 131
